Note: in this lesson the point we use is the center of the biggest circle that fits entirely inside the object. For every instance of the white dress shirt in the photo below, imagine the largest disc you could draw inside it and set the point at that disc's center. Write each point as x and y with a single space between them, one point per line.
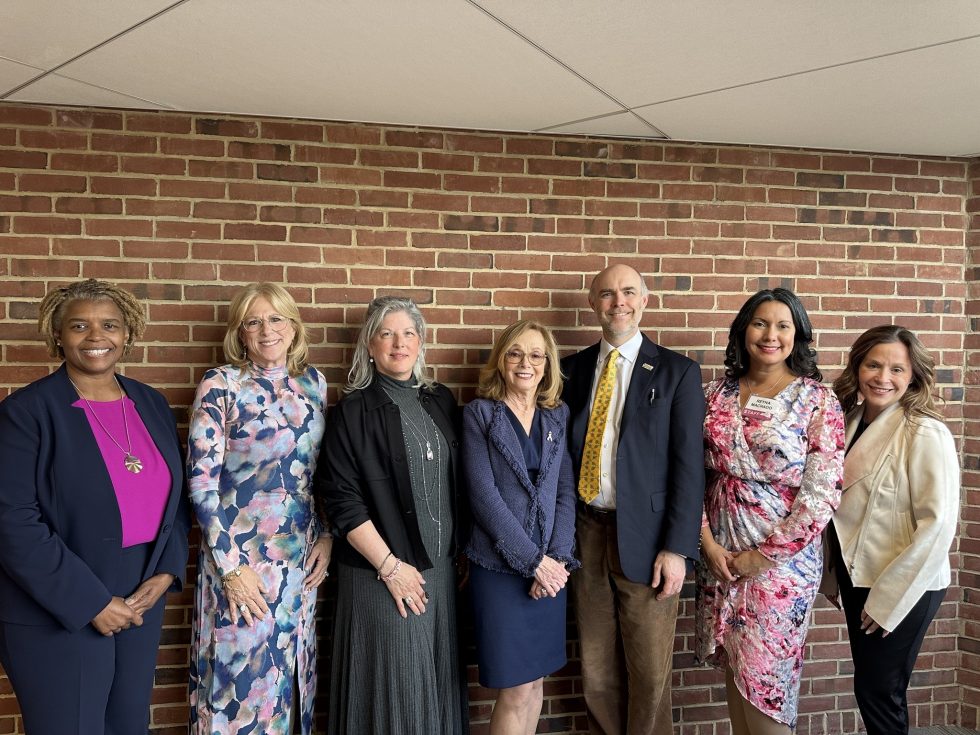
628 352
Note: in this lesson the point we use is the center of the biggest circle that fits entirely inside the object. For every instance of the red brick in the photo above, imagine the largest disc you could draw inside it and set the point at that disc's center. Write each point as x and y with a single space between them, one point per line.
157 165
291 131
129 186
47 225
26 115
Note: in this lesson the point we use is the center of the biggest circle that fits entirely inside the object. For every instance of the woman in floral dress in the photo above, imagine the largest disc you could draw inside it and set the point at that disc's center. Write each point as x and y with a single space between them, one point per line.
255 433
774 451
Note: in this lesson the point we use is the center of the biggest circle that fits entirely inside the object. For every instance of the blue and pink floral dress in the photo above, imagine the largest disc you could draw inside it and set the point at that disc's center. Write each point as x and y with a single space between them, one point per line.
254 440
774 481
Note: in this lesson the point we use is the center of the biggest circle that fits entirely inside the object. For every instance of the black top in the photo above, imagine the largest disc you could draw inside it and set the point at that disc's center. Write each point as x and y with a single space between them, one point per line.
363 471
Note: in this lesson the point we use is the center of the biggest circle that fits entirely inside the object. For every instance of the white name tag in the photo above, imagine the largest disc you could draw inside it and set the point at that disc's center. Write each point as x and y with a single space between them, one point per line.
759 408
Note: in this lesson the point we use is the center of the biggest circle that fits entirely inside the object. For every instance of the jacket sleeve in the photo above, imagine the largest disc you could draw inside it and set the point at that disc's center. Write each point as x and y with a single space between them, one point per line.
173 560
31 553
933 477
489 510
820 488
685 486
339 479
562 545
205 459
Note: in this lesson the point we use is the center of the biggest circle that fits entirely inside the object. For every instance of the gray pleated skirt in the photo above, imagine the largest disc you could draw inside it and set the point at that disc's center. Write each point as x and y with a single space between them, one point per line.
389 674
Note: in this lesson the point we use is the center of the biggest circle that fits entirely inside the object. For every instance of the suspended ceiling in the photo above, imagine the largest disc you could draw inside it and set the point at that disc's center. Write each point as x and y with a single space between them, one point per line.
880 75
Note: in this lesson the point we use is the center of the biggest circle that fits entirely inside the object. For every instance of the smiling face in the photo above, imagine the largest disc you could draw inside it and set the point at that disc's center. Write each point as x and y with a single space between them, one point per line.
770 335
395 346
266 347
521 375
92 336
883 377
618 299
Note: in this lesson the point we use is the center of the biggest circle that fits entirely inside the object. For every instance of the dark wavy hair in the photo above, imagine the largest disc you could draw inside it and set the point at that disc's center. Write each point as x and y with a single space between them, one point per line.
802 361
918 399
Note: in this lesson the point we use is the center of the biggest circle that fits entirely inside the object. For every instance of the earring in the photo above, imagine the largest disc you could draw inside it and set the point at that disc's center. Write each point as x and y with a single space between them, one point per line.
371 359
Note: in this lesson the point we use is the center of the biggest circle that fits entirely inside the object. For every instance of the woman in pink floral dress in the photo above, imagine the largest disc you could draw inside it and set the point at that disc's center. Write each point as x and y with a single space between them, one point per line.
774 453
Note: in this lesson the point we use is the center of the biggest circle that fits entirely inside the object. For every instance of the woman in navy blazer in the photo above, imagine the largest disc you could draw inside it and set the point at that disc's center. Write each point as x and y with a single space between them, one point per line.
83 572
519 478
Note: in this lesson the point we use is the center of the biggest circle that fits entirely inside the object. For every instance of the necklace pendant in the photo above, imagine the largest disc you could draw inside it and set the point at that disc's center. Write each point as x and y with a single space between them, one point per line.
428 451
133 464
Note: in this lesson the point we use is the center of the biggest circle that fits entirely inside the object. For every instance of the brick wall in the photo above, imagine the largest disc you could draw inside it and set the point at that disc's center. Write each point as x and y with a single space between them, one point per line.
483 229
969 609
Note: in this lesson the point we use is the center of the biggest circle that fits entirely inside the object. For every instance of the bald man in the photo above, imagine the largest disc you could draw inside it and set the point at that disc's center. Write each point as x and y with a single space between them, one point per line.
637 411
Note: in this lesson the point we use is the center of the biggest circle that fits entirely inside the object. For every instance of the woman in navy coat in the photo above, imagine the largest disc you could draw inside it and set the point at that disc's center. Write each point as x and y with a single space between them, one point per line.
519 477
93 523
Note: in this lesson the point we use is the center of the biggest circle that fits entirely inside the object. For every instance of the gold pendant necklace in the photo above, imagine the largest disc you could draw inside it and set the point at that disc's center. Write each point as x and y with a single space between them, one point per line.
130 461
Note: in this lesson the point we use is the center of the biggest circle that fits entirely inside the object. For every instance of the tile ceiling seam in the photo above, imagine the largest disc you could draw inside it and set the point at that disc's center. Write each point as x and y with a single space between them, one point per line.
804 72
623 107
87 51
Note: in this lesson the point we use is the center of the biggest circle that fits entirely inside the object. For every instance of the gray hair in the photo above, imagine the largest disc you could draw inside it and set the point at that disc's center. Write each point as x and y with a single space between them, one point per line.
362 371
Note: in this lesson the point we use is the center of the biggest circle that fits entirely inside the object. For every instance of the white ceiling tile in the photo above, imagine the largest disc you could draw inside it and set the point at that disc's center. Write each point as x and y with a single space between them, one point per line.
618 125
429 62
45 33
924 102
13 74
58 90
645 51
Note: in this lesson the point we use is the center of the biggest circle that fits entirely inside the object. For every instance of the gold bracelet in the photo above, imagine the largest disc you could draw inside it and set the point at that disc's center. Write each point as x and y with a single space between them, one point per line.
233 574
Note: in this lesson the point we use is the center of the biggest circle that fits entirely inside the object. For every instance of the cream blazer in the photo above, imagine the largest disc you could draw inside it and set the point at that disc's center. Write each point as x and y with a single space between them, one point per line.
898 512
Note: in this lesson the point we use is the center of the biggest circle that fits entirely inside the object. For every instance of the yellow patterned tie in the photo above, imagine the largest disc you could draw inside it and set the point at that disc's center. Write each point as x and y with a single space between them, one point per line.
588 479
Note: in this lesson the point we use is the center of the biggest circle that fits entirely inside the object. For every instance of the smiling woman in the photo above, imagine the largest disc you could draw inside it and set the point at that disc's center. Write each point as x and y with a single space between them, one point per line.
773 439
888 561
96 533
254 439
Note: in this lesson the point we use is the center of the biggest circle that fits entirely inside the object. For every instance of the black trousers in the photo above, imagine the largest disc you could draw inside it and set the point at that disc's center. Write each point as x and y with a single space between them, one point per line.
883 664
83 682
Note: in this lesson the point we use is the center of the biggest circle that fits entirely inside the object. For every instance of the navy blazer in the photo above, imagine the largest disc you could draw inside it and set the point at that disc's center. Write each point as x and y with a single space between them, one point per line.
505 505
660 456
60 528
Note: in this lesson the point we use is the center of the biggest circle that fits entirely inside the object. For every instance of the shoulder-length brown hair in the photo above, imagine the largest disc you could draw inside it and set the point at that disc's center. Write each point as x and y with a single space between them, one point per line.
492 384
284 304
918 400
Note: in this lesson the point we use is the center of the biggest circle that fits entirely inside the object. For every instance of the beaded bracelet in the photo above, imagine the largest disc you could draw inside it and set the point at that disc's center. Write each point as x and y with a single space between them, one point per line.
393 573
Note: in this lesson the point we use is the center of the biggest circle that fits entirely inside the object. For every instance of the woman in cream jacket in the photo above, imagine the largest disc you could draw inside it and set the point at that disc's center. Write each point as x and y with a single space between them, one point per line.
889 541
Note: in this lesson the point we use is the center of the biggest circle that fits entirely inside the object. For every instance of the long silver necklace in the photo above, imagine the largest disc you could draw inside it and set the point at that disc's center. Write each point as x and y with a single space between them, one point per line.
131 461
420 437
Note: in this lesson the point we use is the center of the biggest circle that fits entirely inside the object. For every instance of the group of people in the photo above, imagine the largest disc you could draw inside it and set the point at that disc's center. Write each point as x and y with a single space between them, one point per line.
610 475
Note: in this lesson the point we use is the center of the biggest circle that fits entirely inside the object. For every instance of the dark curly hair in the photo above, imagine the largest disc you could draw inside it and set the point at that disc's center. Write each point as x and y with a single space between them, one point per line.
802 361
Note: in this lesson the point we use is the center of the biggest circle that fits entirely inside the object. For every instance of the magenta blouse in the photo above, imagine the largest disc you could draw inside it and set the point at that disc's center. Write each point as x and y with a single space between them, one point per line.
142 497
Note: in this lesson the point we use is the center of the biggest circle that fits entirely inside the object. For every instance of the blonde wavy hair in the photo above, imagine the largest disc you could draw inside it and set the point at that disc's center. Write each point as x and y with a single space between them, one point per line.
918 400
492 383
297 356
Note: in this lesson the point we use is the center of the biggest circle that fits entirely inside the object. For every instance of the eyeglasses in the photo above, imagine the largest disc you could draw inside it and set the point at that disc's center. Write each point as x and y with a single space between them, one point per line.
276 323
516 357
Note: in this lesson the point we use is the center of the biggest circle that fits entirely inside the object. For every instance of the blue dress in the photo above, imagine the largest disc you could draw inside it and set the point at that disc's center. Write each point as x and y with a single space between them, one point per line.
518 639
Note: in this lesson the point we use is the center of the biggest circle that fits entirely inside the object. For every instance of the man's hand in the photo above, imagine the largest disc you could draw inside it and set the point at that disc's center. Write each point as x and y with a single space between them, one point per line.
669 569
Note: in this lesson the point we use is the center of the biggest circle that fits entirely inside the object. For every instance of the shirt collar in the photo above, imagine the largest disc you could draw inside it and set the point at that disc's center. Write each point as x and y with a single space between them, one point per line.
628 350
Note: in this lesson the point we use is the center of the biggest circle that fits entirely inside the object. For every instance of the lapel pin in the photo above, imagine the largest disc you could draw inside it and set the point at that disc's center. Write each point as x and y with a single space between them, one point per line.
647 366
550 437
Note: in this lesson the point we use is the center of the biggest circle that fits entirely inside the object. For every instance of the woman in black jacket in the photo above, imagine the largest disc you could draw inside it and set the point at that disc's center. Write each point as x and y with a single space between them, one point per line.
387 478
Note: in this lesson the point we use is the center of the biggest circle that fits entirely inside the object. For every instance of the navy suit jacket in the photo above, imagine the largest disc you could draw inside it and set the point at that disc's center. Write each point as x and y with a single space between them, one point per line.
60 528
507 507
660 456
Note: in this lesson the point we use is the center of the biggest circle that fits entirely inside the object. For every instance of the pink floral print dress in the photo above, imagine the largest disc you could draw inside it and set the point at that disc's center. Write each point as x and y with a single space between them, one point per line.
253 444
774 481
